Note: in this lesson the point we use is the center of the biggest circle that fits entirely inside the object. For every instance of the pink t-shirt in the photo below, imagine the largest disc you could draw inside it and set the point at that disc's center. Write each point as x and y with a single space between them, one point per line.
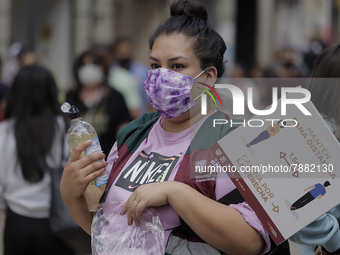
157 159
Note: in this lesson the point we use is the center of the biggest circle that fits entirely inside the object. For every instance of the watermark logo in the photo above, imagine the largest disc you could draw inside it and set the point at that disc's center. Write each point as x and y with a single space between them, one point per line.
239 101
204 97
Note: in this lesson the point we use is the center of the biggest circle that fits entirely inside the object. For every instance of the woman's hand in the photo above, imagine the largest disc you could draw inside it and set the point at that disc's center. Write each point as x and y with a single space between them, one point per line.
79 172
145 196
226 232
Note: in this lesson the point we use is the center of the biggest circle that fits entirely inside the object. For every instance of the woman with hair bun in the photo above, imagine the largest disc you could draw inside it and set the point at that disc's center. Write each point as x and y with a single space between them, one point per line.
195 220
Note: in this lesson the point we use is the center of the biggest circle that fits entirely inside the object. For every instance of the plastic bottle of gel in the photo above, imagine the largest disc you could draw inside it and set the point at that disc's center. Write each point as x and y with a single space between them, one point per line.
79 132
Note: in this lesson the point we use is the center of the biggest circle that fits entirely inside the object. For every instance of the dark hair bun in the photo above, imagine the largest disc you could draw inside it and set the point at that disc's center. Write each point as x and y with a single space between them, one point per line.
188 8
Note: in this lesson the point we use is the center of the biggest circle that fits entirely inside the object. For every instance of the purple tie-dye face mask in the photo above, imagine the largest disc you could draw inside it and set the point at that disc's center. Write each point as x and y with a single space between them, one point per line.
169 91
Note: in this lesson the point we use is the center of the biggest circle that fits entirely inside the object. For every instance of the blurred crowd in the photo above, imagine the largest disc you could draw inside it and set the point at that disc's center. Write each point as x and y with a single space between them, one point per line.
287 63
114 67
107 89
108 82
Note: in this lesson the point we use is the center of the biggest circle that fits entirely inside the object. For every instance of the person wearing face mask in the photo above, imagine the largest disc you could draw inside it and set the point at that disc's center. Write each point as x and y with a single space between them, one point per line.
127 84
124 61
199 215
100 105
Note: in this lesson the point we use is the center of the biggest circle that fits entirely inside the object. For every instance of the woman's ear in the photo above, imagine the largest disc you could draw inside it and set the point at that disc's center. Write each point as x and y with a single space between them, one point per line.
212 72
211 75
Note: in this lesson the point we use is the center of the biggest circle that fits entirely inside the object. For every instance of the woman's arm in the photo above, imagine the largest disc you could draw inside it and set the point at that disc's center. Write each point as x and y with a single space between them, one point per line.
78 173
219 225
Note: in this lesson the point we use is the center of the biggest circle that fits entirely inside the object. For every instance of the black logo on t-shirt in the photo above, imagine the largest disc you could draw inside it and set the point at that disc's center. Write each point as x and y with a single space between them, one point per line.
147 168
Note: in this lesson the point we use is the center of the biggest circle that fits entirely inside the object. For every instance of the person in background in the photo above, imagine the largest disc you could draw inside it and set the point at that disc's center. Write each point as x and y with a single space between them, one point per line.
127 83
28 58
12 65
120 79
287 65
315 47
124 59
30 146
99 104
325 93
19 57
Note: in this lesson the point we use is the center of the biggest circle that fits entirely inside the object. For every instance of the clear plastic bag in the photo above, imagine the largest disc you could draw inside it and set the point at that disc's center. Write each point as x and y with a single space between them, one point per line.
111 234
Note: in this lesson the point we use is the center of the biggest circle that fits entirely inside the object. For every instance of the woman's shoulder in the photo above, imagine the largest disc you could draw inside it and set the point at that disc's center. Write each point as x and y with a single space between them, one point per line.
145 118
143 123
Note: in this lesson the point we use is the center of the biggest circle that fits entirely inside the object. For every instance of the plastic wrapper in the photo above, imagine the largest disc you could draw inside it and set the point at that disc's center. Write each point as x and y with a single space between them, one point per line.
111 233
